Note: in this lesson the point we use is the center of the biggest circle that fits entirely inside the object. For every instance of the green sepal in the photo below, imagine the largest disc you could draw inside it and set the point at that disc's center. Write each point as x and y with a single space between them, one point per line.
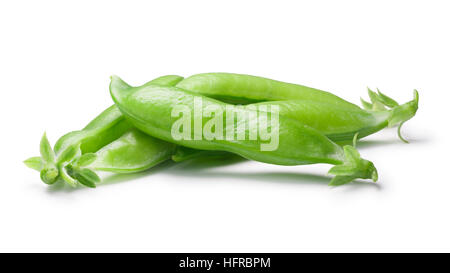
49 173
341 169
47 154
86 160
372 95
389 102
400 113
352 155
377 104
405 111
366 105
86 177
341 180
354 167
69 154
34 163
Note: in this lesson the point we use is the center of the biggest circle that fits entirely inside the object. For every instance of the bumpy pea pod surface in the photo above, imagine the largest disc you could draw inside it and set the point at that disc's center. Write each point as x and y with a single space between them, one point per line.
244 89
149 108
109 142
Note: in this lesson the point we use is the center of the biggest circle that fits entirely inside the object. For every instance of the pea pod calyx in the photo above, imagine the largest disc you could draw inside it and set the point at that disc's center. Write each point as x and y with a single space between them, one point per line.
399 113
354 167
107 143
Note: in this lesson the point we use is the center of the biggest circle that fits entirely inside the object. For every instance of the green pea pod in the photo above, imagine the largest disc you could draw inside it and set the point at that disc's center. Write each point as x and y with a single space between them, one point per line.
348 121
341 124
336 121
132 152
311 106
110 126
245 89
150 109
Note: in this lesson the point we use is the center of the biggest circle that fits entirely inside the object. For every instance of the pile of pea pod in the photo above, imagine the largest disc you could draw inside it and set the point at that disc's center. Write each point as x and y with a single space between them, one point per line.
134 134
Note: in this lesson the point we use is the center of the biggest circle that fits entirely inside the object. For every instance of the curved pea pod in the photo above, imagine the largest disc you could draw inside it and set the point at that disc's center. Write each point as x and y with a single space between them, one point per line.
342 124
108 126
132 152
334 121
244 89
58 163
338 123
239 88
350 119
151 109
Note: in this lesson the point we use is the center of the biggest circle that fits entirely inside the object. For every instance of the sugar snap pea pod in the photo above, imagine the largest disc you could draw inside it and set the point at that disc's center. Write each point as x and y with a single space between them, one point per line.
338 123
132 152
238 88
244 89
341 124
150 109
64 161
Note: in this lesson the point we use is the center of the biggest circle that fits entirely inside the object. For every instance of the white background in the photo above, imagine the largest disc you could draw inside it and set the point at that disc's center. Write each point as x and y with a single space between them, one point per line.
55 61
